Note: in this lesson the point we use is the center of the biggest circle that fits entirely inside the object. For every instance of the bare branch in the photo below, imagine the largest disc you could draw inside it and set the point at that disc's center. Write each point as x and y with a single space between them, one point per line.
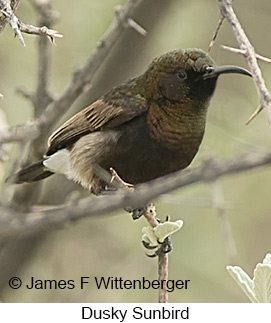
249 53
133 24
218 201
150 216
42 31
219 25
163 276
80 79
19 27
84 74
26 94
46 16
26 132
13 21
259 57
254 114
39 221
243 52
129 22
13 4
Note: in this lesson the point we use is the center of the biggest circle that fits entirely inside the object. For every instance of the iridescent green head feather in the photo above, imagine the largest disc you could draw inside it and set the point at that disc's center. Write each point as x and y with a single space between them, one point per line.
182 75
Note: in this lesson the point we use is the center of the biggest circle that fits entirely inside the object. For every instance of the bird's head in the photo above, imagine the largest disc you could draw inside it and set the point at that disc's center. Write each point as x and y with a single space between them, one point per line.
185 75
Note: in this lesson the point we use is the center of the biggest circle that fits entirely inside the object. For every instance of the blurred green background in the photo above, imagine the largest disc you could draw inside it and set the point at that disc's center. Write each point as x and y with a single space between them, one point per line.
110 245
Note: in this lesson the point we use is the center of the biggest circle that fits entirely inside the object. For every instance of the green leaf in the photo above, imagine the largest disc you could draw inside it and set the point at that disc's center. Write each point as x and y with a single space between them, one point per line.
244 281
267 259
149 236
163 230
262 282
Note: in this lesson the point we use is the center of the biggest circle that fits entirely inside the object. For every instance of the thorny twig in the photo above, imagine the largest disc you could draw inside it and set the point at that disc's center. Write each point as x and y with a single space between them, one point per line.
218 203
41 31
18 26
219 25
243 52
259 57
254 114
13 4
13 21
14 248
80 79
150 215
249 52
26 224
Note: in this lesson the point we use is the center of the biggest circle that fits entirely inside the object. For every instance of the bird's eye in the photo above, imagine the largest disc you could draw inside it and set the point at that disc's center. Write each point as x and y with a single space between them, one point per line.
181 75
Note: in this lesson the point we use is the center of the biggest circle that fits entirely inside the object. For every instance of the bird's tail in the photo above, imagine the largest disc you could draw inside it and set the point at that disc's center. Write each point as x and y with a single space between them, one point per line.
32 173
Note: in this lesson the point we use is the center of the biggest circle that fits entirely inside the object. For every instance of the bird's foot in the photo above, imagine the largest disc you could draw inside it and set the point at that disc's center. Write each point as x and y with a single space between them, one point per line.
107 191
157 236
119 180
165 247
114 184
136 213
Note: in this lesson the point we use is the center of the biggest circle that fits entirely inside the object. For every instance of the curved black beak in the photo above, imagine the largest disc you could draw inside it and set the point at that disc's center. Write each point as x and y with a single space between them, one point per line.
216 71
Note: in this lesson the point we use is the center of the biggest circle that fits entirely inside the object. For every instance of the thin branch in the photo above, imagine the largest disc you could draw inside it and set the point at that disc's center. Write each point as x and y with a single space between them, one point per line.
130 22
13 4
12 20
24 133
243 52
260 58
133 24
46 16
35 222
41 97
41 31
18 26
150 216
84 74
254 114
249 52
163 276
218 200
219 25
80 79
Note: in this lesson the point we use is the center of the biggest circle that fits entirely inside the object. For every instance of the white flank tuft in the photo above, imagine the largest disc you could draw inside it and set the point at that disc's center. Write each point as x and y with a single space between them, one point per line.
58 162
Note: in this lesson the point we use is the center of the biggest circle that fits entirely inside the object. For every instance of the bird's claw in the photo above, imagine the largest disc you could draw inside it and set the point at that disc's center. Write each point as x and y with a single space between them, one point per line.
165 247
147 245
136 213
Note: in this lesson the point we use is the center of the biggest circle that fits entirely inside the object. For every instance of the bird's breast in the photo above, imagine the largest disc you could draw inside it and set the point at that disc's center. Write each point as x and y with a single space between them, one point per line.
151 146
179 130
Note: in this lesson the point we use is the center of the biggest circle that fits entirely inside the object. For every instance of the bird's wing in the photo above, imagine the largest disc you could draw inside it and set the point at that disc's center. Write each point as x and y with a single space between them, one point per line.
102 114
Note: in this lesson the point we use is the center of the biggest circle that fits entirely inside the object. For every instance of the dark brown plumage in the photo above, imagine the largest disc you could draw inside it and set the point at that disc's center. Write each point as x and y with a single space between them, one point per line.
146 128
